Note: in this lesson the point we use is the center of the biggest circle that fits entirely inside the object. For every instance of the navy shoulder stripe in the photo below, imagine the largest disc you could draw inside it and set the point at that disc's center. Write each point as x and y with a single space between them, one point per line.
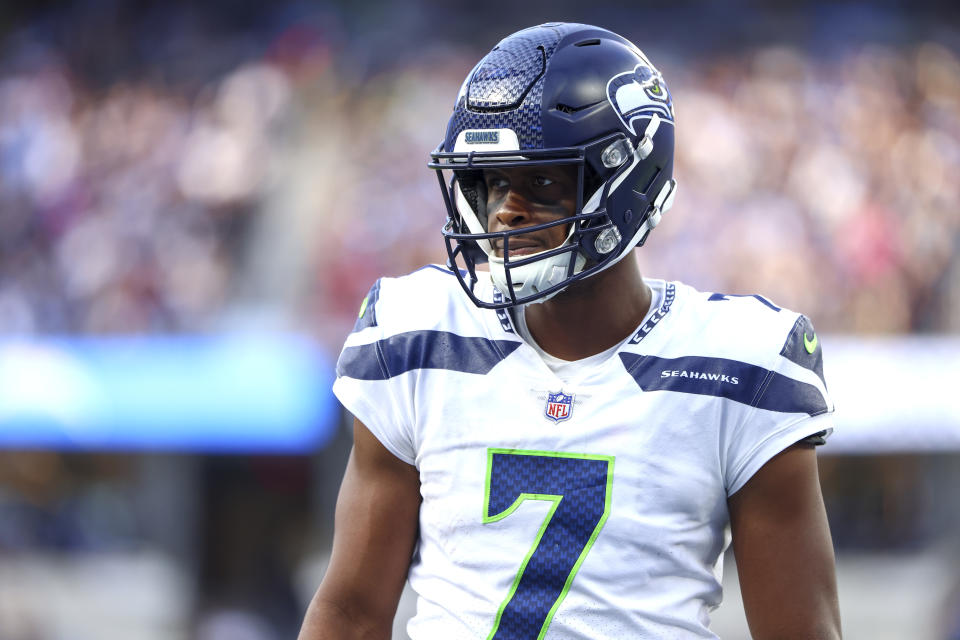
803 347
404 352
731 379
368 309
726 296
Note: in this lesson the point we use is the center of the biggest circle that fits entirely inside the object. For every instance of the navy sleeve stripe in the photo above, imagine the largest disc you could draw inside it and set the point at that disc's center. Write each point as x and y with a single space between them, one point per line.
731 379
404 352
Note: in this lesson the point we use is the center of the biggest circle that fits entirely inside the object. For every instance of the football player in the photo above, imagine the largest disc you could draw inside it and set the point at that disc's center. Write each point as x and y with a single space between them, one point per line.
558 448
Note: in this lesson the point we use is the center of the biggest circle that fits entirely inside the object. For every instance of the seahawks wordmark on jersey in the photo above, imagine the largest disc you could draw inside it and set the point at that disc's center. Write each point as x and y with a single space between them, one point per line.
592 506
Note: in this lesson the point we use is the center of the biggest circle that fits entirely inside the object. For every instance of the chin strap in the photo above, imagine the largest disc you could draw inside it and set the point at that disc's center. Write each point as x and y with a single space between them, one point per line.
661 204
645 146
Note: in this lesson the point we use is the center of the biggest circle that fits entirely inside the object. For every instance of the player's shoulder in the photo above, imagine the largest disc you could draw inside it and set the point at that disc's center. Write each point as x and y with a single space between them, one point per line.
428 298
743 326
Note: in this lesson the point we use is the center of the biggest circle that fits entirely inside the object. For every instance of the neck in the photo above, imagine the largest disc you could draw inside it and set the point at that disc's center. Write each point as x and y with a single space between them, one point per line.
591 315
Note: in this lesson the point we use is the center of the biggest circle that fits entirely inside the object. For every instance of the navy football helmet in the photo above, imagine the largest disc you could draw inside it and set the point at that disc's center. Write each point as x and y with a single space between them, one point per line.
567 94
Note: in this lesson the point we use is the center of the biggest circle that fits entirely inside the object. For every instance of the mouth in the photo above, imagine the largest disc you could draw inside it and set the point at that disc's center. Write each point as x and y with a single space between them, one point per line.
518 248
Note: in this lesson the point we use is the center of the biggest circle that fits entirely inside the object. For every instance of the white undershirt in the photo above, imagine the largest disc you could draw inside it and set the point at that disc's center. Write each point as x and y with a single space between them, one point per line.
565 368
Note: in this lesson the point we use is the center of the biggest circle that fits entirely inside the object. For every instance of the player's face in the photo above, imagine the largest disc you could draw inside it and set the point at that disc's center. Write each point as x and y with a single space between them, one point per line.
528 196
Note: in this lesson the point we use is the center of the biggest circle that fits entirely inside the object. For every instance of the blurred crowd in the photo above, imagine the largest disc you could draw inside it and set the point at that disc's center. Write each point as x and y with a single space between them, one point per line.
827 185
287 181
125 208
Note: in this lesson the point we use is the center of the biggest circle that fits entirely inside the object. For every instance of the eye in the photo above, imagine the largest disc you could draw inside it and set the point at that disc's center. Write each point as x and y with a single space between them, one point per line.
497 183
543 181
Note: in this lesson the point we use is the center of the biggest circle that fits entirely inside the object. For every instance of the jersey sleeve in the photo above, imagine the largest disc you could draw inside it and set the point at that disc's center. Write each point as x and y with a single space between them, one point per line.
791 403
383 403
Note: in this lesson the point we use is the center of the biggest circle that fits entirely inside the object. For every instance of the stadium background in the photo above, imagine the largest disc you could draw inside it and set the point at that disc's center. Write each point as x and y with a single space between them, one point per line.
195 197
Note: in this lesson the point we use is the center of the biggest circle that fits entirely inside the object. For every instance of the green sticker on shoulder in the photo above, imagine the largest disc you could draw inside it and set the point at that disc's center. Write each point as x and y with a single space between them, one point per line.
367 316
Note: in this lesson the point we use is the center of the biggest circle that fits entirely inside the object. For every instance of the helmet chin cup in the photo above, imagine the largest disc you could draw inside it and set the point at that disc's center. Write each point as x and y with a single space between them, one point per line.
537 281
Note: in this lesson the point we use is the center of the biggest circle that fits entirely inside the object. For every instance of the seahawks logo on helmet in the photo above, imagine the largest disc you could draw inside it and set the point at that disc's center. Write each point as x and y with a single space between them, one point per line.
640 93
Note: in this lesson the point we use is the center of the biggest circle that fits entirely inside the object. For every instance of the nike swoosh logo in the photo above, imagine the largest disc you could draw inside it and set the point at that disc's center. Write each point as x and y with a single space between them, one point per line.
811 345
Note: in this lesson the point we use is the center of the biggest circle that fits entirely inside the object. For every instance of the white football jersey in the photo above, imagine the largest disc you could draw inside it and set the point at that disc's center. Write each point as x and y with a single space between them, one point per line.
589 507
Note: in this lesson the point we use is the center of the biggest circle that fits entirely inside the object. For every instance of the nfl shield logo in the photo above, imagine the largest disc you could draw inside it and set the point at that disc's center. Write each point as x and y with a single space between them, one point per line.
559 406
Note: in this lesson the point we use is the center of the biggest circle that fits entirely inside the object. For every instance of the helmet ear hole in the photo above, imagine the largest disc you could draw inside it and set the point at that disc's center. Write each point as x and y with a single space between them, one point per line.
647 177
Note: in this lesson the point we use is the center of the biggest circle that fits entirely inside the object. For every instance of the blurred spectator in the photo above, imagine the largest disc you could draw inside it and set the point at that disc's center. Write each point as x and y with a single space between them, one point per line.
51 502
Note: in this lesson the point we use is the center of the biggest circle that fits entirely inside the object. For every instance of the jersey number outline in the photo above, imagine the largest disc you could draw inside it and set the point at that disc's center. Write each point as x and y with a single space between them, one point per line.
579 486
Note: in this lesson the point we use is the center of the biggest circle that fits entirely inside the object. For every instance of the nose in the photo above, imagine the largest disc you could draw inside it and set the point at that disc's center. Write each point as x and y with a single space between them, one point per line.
511 211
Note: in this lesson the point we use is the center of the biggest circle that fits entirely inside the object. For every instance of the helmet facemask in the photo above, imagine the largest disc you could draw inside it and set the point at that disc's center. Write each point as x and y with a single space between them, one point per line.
592 243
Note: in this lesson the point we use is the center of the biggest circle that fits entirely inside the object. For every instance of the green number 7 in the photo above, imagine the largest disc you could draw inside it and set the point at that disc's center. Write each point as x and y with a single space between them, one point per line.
580 487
